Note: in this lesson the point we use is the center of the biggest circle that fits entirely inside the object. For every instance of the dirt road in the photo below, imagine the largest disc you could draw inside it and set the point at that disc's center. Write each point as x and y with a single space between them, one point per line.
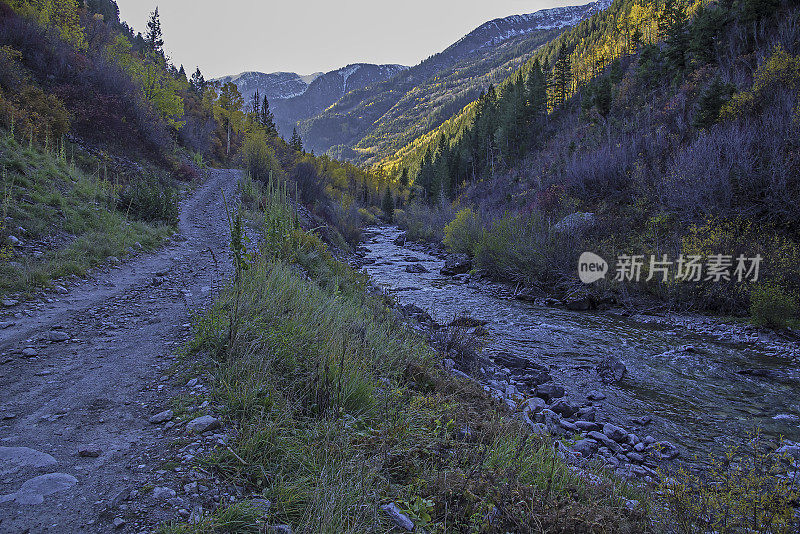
81 375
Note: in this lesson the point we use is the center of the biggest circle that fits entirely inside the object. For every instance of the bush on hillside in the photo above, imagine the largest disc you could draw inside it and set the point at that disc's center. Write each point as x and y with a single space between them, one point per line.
773 306
149 200
461 234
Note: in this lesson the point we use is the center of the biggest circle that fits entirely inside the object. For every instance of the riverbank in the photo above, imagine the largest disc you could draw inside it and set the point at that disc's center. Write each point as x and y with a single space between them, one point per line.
701 386
348 421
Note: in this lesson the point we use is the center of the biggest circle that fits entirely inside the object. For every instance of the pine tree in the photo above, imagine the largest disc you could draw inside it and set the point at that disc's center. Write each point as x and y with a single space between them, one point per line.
198 82
255 106
182 75
154 37
709 104
706 26
561 78
673 23
267 119
755 10
387 204
296 143
536 88
404 177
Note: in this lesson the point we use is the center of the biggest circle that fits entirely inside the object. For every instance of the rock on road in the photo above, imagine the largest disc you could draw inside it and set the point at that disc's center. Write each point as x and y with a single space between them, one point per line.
81 376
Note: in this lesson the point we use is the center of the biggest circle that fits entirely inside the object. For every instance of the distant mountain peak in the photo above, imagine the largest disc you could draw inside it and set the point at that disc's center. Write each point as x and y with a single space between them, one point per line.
498 30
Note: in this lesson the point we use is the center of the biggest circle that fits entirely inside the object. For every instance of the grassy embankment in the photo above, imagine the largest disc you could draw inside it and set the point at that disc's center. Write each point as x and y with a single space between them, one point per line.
340 409
71 220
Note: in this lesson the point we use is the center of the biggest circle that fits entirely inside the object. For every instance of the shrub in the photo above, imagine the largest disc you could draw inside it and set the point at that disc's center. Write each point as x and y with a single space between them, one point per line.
187 172
367 217
780 71
259 158
771 305
739 493
149 201
425 223
462 233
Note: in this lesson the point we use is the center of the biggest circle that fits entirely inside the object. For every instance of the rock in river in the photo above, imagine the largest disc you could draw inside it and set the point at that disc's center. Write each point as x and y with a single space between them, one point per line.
611 369
416 268
549 392
456 264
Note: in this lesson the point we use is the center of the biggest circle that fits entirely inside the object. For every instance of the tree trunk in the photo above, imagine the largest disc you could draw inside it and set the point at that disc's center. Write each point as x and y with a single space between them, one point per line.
228 151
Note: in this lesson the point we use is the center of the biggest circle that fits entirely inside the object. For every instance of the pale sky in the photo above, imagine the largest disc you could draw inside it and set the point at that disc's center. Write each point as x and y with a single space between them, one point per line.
232 36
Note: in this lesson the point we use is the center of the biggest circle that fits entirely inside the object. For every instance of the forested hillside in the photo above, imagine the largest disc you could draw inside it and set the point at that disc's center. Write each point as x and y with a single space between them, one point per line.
673 125
372 123
101 132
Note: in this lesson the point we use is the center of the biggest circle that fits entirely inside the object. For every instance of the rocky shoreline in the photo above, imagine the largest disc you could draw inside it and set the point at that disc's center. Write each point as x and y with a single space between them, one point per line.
580 435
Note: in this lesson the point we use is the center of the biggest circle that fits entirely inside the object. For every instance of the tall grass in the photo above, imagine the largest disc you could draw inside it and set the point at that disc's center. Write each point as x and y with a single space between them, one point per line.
341 409
69 214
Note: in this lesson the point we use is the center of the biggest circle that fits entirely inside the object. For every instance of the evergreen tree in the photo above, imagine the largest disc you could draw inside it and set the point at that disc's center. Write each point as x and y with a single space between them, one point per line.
255 106
561 78
536 89
755 10
673 22
182 75
296 143
154 38
198 82
387 204
706 26
710 102
267 119
404 177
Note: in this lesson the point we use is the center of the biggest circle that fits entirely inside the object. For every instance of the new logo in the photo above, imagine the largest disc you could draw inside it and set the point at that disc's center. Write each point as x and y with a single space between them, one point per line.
591 267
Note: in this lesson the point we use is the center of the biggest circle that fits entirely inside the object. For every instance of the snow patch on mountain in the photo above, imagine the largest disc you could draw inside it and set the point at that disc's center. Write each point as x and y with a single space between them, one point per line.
496 31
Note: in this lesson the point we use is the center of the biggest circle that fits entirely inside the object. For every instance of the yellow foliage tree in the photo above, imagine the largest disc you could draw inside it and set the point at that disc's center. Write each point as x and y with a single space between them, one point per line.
158 86
781 69
61 15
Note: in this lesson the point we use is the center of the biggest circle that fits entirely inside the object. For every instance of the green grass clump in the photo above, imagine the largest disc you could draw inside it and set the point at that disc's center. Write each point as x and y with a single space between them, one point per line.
341 409
71 212
773 306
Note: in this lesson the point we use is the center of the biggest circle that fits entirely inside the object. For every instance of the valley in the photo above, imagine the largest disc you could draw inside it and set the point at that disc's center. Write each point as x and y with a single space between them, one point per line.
503 290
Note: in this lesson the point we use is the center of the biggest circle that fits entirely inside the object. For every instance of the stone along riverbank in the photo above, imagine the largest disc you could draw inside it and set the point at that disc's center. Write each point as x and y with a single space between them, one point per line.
629 390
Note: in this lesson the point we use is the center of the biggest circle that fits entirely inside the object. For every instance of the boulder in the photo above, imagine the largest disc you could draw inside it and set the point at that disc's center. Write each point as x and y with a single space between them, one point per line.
666 450
575 222
611 369
579 302
536 404
596 395
587 413
549 392
58 336
605 440
89 451
162 417
616 433
585 447
587 425
416 268
456 264
565 408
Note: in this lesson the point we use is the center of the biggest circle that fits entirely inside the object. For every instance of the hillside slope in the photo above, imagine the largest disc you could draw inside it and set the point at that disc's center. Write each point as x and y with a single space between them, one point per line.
684 144
293 98
370 124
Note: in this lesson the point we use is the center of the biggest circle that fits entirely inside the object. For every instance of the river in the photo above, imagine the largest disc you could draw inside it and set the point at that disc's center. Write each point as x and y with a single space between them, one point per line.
698 399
